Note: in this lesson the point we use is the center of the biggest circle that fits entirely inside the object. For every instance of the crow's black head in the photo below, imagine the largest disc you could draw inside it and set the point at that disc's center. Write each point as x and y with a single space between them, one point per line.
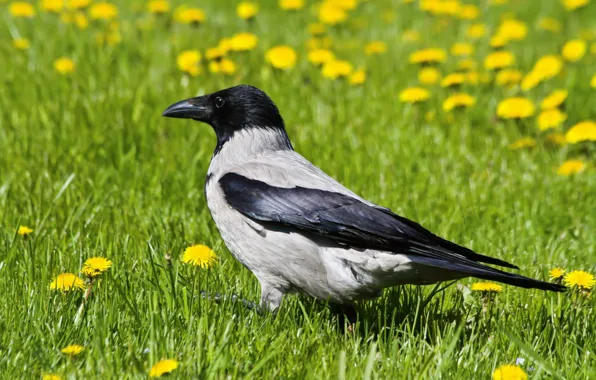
230 110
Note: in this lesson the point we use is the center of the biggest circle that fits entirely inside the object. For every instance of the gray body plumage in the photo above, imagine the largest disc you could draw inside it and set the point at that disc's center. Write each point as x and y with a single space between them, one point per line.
285 259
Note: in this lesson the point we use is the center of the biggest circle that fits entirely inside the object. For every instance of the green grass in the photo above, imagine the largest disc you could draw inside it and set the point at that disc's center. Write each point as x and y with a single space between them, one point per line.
87 161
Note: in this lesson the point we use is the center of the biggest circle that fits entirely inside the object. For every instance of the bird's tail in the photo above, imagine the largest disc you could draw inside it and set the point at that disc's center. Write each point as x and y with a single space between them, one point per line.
474 269
521 281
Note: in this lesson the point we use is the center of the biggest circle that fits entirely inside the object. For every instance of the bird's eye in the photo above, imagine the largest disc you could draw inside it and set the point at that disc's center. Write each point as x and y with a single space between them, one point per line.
219 102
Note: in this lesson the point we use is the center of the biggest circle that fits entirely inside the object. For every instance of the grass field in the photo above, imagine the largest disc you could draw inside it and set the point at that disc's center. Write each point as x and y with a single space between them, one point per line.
88 163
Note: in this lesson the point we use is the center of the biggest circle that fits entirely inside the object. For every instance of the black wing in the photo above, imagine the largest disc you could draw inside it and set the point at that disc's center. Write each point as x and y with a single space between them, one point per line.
336 216
348 221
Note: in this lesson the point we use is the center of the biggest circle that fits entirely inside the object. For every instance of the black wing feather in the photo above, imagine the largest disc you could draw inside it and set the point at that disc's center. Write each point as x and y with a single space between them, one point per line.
347 220
338 216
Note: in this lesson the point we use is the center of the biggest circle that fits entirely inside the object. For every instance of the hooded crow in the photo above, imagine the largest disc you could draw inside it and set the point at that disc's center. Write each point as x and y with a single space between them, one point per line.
299 230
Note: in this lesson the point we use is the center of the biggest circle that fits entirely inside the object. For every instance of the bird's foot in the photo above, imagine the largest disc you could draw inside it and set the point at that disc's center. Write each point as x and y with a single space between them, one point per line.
346 314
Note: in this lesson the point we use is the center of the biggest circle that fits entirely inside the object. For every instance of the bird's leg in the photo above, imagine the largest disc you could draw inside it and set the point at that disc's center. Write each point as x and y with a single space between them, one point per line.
345 312
271 297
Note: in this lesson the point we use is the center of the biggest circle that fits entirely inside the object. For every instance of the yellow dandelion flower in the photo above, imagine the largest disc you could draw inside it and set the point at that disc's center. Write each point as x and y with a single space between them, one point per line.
319 43
551 118
582 131
497 41
247 10
476 31
346 5
215 53
72 350
24 230
508 77
460 100
158 6
579 279
163 367
454 79
593 81
429 75
450 8
375 47
81 21
192 16
428 56
330 14
466 64
103 11
462 49
548 66
112 38
225 44
512 30
78 4
66 282
199 255
64 65
550 24
320 56
571 167
336 68
291 5
21 43
498 60
429 116
21 9
213 67
556 138
358 77
52 5
316 29
574 50
489 287
94 266
410 35
426 5
226 66
556 273
281 57
516 108
188 62
469 12
554 100
572 5
473 77
51 376
243 42
509 372
524 142
531 80
414 95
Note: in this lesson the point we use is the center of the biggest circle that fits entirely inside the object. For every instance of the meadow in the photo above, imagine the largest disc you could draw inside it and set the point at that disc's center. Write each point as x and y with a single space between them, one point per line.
477 120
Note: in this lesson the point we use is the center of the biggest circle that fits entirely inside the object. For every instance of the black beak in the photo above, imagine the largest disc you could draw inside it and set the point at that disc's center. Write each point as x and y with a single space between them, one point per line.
194 108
